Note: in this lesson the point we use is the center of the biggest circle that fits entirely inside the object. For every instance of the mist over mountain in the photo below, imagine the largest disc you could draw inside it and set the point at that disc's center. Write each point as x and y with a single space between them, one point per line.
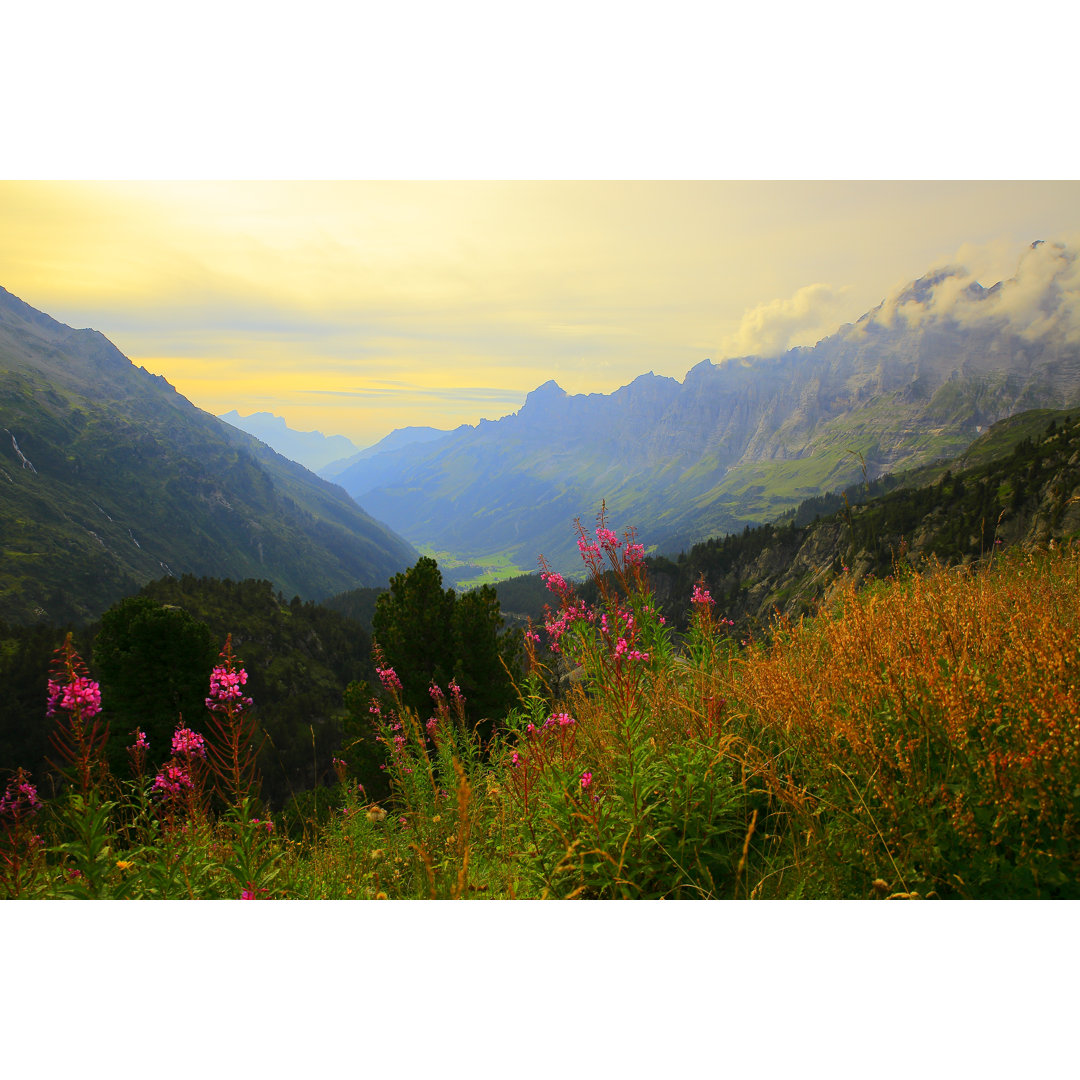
110 479
914 380
398 438
312 449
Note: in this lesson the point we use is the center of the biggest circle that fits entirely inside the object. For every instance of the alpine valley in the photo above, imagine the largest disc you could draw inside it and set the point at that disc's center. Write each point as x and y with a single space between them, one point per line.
915 380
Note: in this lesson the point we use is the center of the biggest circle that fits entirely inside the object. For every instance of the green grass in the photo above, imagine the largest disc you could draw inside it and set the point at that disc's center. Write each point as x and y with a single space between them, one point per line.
467 571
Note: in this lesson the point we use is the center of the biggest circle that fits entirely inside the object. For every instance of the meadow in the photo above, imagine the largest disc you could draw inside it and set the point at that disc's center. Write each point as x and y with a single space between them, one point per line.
916 739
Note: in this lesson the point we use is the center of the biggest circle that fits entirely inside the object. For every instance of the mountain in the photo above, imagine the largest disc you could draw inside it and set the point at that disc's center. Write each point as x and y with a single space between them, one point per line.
1017 486
914 380
312 449
110 479
398 438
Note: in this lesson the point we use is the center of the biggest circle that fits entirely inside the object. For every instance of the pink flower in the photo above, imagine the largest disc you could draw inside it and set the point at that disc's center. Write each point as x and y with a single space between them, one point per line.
607 538
172 780
563 719
141 741
21 797
388 677
225 689
55 693
586 780
555 582
188 742
83 694
634 555
701 595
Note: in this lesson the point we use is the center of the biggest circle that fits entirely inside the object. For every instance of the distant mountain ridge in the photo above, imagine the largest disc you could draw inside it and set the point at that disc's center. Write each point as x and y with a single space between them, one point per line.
914 380
312 449
398 438
110 479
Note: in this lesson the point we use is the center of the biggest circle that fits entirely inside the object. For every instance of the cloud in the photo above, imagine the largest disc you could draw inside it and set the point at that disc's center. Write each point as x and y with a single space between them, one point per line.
774 327
1040 301
477 395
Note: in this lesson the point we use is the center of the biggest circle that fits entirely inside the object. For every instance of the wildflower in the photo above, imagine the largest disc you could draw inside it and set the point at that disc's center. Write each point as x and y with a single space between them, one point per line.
586 780
20 798
55 691
188 742
123 864
81 693
701 596
388 677
515 759
563 719
555 582
607 538
172 780
225 689
634 554
141 741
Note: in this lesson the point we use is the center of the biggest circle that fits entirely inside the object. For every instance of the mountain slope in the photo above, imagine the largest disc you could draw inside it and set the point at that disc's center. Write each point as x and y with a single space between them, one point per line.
915 380
109 479
1018 486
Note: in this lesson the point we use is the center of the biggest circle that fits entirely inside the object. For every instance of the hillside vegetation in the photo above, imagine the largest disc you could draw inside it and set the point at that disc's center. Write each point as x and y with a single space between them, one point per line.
917 738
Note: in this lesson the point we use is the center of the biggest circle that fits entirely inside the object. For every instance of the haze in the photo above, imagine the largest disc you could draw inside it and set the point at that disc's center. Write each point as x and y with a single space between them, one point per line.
354 307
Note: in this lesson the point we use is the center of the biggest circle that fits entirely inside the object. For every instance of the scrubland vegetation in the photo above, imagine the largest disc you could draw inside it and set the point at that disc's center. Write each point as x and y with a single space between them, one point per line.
917 738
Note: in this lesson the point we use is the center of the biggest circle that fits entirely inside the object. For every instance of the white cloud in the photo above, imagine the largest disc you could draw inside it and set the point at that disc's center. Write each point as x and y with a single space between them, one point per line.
774 327
1040 300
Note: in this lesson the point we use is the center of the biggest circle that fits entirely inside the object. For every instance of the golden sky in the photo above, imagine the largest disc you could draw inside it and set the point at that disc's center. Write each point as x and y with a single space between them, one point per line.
354 307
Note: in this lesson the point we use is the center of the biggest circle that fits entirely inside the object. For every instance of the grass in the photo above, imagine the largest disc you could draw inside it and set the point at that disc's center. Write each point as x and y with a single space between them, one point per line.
916 738
472 571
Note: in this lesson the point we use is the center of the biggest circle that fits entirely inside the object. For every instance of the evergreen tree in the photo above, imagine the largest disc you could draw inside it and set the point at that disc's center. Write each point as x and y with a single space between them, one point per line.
155 664
431 635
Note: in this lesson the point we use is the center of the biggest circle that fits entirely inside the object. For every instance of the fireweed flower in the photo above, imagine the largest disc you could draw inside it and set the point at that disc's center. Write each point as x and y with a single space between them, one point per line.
55 691
455 694
141 741
21 797
586 780
701 596
388 677
607 538
188 742
563 719
81 693
172 781
225 689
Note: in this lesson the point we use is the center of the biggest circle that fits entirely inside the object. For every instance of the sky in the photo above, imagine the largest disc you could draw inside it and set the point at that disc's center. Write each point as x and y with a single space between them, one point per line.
357 306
